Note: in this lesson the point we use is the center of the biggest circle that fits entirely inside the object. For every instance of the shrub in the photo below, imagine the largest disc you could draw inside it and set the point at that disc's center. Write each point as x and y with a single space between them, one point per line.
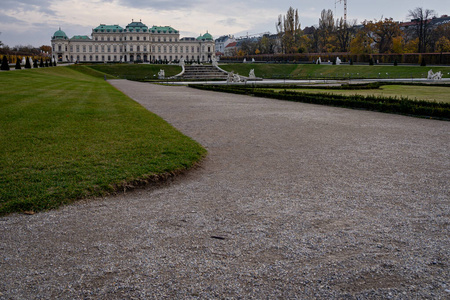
27 63
422 62
371 61
35 64
41 63
18 67
395 63
5 65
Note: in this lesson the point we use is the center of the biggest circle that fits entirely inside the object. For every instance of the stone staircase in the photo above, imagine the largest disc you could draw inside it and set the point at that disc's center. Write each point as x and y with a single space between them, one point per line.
202 73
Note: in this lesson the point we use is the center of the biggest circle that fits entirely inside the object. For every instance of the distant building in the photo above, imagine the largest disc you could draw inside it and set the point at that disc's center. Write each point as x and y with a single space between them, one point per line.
231 49
222 42
135 42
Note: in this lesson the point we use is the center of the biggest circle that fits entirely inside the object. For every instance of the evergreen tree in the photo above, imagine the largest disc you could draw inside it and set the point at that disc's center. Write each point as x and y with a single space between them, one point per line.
5 65
35 64
27 63
41 63
46 63
18 67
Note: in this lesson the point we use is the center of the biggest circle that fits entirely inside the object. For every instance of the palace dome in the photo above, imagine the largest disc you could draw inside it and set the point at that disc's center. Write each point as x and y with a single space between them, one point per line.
205 37
59 35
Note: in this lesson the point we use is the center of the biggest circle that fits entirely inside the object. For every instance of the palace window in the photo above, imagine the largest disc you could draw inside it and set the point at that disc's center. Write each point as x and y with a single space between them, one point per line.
192 49
96 38
103 48
131 38
145 38
138 48
108 38
78 48
164 39
90 48
153 49
59 47
159 49
103 38
170 49
109 49
176 49
181 49
114 48
145 48
165 49
84 48
96 48
137 38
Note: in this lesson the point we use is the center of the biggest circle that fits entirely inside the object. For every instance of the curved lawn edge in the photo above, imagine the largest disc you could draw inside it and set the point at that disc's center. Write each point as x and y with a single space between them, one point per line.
71 136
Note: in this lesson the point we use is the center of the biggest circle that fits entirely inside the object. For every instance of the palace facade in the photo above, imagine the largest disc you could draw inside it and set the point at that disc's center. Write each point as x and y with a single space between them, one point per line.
135 42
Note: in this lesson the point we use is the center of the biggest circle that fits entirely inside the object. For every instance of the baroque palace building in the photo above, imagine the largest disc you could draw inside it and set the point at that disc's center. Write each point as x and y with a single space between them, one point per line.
135 43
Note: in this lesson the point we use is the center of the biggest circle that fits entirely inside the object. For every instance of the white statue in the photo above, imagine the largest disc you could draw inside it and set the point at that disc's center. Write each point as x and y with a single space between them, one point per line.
161 74
181 63
245 60
319 61
338 61
214 62
434 76
253 60
251 75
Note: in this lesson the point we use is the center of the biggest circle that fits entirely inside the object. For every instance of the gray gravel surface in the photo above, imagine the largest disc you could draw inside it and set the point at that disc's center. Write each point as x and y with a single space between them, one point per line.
293 201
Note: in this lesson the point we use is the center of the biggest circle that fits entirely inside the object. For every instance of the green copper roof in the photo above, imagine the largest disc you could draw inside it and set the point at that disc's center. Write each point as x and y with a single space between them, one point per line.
162 29
60 35
206 37
108 28
136 27
80 37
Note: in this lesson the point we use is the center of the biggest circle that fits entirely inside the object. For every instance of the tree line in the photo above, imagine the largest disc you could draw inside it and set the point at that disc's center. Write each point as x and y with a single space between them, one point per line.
369 37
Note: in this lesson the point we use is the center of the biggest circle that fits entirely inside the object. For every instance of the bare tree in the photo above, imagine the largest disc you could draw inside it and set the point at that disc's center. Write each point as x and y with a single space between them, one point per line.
289 31
421 17
326 31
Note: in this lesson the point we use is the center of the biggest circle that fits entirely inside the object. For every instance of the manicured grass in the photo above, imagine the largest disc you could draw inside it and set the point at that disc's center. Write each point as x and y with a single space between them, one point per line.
428 93
67 135
311 71
139 72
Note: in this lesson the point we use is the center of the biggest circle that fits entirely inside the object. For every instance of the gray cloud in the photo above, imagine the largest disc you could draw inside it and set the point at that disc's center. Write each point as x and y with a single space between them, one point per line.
161 4
228 22
28 5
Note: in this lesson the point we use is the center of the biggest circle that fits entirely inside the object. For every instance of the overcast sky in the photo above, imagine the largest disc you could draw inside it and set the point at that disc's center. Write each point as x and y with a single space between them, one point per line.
33 22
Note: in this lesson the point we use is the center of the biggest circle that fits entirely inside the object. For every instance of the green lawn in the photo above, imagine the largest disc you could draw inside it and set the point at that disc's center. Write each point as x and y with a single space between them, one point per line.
428 93
67 135
141 72
311 71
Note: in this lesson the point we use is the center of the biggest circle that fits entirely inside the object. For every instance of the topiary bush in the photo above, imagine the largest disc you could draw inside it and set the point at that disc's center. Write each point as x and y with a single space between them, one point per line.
27 63
18 67
5 65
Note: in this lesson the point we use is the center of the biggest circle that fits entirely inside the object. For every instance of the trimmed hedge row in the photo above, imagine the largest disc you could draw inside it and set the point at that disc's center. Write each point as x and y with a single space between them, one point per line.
383 104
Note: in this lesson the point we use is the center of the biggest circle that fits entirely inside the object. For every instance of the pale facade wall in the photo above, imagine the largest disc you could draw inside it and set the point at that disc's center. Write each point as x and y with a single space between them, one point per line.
132 46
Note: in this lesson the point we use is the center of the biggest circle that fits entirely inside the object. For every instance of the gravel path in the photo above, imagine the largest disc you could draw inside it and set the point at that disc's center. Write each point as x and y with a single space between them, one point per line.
293 201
